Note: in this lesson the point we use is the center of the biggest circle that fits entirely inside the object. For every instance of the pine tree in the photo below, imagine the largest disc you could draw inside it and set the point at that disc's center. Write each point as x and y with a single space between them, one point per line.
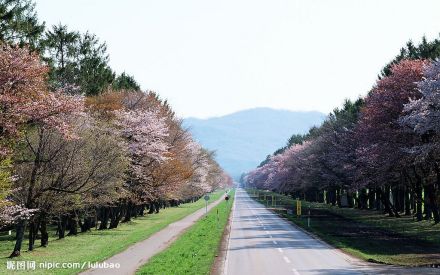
19 23
125 82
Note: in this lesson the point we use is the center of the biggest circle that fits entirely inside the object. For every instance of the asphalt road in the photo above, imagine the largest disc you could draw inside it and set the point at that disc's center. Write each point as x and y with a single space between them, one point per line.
260 242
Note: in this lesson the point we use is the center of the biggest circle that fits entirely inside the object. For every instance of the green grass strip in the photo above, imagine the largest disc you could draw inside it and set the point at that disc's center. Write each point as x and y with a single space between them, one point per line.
194 252
96 246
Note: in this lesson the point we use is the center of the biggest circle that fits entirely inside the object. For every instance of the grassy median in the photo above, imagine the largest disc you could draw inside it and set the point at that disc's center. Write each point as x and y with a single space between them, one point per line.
366 234
194 252
97 245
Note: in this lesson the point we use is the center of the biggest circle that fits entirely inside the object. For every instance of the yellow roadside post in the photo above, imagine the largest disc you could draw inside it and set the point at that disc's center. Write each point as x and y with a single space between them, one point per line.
298 208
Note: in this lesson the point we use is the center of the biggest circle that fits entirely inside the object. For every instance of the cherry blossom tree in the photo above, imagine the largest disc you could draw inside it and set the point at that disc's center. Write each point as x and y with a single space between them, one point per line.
54 173
80 161
22 91
145 133
381 160
26 103
25 100
422 117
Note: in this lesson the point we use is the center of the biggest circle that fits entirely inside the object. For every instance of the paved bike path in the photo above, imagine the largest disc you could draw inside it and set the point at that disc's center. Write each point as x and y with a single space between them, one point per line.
138 254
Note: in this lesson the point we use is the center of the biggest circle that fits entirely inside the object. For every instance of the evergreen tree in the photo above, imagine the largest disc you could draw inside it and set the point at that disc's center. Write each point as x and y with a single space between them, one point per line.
79 61
60 51
93 72
125 82
425 50
19 23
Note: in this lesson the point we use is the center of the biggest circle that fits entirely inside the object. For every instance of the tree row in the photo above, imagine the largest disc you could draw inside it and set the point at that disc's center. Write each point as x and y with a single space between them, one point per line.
379 152
79 147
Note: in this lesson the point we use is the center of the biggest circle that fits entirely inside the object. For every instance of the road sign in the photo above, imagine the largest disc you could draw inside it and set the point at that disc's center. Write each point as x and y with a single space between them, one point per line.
206 198
298 207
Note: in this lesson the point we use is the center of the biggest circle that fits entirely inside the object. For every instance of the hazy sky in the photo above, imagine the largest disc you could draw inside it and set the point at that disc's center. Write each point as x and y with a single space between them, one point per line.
211 58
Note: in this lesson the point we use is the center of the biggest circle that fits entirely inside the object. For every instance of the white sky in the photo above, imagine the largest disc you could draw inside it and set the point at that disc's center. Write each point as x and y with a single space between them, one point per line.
210 58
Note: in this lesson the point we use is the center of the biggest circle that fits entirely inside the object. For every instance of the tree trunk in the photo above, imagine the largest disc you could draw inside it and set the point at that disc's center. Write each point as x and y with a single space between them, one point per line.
127 217
431 197
385 198
157 206
87 224
407 201
151 208
371 199
20 228
33 230
427 209
104 218
378 199
73 224
338 197
116 217
31 236
419 213
44 233
62 224
142 210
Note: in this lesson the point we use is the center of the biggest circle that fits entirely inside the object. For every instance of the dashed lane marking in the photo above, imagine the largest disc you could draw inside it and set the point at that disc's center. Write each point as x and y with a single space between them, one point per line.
286 259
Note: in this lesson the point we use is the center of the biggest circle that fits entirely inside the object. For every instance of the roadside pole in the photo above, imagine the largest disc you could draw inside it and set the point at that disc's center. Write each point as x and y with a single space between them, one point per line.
308 218
206 204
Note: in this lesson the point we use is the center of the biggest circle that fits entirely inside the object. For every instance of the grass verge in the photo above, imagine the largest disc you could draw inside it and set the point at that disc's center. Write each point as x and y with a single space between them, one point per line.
96 245
366 234
194 252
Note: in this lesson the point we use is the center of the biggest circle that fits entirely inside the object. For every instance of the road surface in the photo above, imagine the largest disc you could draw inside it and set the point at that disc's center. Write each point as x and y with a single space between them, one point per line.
261 242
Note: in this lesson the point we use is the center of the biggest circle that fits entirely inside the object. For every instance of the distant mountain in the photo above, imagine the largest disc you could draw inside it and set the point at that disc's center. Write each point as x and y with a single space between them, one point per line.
243 139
